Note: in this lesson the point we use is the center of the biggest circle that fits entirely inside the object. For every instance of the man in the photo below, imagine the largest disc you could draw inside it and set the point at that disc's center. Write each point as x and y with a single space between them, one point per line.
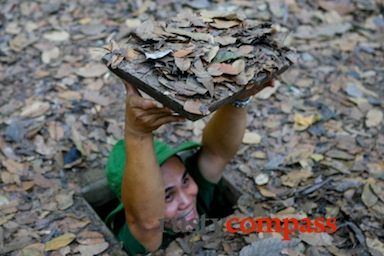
156 184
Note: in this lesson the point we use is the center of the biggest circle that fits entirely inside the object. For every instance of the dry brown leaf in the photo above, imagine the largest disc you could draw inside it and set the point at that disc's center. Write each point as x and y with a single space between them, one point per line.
239 65
224 24
62 251
97 98
41 181
48 55
290 252
91 250
316 239
225 40
374 117
70 95
268 246
193 106
65 200
211 54
294 178
59 242
55 130
265 192
337 165
308 120
35 109
243 50
267 92
275 7
6 218
300 153
245 77
57 36
376 247
331 211
214 69
184 52
92 70
25 186
90 237
207 81
339 154
225 14
13 166
76 226
132 54
342 7
8 178
116 57
43 147
251 138
228 69
183 63
36 249
194 36
368 197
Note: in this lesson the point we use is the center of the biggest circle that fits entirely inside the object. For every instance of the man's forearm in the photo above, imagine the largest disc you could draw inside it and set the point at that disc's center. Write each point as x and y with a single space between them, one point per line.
142 186
223 134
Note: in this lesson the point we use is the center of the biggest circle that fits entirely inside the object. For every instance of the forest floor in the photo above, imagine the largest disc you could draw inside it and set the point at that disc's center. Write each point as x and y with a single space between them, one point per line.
314 147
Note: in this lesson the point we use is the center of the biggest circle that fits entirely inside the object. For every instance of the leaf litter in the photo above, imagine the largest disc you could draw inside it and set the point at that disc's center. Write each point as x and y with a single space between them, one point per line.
340 67
211 47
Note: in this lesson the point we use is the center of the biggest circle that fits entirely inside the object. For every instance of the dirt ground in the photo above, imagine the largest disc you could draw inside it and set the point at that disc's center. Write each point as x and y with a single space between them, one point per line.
313 148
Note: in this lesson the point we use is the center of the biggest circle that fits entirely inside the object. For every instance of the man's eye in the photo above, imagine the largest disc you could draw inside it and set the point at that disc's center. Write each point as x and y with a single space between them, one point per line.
168 198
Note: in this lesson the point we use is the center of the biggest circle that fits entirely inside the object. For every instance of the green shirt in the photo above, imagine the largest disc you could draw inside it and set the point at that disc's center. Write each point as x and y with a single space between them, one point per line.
210 201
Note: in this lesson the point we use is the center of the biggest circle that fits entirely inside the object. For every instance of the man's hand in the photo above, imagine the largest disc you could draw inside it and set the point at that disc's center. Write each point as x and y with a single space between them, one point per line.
254 90
143 116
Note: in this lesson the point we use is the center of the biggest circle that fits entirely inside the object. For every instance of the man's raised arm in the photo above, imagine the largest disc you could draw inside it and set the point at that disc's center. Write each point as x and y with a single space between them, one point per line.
143 192
222 137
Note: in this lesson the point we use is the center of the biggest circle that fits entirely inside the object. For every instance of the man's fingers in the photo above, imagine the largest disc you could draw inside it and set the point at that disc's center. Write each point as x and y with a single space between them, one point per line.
131 90
144 104
154 121
148 104
168 119
153 111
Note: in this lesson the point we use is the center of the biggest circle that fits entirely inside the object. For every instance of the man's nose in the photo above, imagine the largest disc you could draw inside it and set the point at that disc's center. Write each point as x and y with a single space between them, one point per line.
185 200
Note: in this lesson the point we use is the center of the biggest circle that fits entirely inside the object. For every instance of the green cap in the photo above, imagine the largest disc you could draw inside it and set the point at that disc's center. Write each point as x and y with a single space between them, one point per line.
116 161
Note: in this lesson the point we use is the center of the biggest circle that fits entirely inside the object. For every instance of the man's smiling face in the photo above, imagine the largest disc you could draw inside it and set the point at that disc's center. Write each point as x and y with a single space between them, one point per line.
180 192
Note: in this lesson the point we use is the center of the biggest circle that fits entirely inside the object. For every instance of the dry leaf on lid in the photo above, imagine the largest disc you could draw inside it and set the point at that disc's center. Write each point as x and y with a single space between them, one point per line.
183 63
220 24
194 106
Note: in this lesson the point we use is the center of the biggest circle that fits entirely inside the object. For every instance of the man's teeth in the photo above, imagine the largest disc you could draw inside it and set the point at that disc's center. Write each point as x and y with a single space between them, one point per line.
189 214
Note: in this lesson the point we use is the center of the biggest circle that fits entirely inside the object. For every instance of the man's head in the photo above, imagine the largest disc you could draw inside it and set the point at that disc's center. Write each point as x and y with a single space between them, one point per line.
180 192
180 189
